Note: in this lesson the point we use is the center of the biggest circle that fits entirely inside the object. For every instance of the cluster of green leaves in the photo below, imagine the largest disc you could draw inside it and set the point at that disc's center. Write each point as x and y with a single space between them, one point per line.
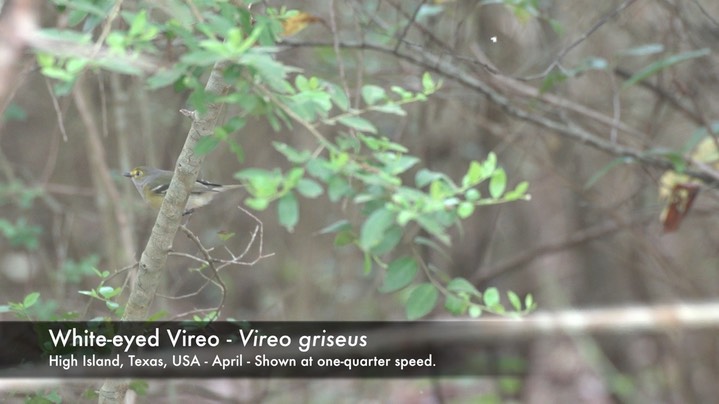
225 32
22 310
48 397
371 171
105 293
19 233
357 164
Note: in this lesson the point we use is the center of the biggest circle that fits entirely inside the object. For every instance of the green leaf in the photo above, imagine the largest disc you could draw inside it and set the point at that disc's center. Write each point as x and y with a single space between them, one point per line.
529 301
157 316
293 155
390 108
474 311
514 300
435 228
373 94
489 165
396 163
293 177
206 144
164 77
455 305
336 227
644 50
320 168
404 94
309 188
288 211
139 24
421 301
261 183
591 63
472 195
520 191
30 299
301 83
465 210
491 297
405 216
14 112
425 176
338 96
419 240
374 228
606 169
663 64
439 190
234 124
21 233
259 204
391 239
498 183
474 175
237 149
139 386
357 123
106 291
428 84
339 160
430 10
400 273
557 26
344 237
461 285
337 188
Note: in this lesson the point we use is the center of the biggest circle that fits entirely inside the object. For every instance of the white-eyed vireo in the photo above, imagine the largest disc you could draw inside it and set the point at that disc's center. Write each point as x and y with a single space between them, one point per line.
152 184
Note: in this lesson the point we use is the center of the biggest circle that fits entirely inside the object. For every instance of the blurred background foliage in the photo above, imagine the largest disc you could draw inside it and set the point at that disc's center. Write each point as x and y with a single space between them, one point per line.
525 80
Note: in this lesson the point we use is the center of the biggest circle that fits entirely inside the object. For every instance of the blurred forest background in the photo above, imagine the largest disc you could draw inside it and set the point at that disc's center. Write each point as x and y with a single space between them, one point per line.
545 84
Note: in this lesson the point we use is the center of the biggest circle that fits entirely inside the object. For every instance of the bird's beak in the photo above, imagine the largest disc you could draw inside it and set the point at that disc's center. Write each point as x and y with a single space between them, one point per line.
127 174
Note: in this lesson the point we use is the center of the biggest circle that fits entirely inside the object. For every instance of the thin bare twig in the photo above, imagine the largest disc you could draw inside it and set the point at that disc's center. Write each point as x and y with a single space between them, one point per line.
485 276
217 264
558 59
58 111
575 133
336 47
409 25
706 13
208 258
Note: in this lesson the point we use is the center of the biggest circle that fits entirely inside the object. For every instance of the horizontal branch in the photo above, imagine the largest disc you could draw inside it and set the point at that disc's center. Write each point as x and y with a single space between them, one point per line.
446 68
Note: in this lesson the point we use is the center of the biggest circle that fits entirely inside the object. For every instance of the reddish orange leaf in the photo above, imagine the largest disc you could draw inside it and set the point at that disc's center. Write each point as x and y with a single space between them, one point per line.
297 23
680 201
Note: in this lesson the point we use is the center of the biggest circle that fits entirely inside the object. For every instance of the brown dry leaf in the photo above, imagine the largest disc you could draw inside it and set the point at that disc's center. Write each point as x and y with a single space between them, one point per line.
297 23
679 191
681 200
